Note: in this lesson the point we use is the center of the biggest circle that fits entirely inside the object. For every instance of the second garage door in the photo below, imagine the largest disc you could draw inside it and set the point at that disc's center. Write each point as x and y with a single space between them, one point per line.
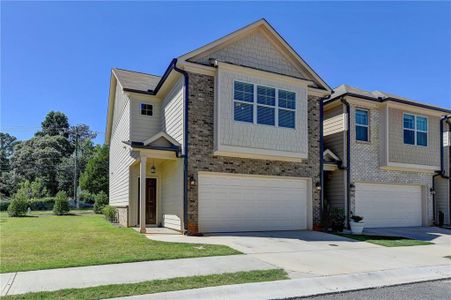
387 205
230 203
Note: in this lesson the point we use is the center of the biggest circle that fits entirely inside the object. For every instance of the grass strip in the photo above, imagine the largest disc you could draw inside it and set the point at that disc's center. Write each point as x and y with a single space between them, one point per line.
157 286
386 241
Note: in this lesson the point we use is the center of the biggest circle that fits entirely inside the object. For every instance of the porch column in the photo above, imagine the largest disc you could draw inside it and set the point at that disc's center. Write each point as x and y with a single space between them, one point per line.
142 194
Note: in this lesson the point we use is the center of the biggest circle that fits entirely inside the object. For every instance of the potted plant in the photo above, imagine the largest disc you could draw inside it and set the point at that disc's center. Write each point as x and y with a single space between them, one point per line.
356 224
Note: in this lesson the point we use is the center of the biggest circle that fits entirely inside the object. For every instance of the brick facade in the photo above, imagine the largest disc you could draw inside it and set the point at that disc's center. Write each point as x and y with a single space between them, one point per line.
201 145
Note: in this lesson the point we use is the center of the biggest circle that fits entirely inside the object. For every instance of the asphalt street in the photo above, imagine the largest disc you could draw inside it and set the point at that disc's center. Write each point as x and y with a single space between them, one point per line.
418 291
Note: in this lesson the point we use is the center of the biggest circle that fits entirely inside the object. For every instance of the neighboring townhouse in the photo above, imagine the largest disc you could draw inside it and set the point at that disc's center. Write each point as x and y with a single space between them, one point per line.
383 158
442 183
228 139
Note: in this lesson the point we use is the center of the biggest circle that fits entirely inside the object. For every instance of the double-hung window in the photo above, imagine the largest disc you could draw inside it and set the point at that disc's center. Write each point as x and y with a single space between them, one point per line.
272 106
243 104
146 109
415 130
287 109
361 125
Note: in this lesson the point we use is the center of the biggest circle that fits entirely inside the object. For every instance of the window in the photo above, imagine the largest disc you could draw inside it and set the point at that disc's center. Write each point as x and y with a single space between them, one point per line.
272 106
287 109
243 96
266 102
415 130
146 109
361 125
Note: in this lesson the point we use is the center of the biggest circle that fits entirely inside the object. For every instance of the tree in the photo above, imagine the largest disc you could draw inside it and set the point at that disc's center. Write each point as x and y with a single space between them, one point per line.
79 135
95 177
55 123
39 157
7 143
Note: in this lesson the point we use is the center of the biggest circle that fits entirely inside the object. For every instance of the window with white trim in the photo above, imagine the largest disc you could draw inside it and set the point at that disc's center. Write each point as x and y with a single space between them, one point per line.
146 109
272 106
415 129
361 125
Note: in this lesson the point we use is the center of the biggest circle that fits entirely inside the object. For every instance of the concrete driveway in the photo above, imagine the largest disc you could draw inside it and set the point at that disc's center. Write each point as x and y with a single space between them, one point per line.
435 235
311 253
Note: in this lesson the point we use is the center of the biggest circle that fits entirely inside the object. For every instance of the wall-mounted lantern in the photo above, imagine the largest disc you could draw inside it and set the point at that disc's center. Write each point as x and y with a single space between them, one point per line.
192 181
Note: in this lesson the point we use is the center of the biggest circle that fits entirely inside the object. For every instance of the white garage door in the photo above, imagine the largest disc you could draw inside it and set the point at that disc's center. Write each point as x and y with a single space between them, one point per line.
230 203
386 205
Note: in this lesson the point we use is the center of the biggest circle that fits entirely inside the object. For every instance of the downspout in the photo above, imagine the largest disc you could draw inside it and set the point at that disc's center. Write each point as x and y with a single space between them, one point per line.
348 160
185 145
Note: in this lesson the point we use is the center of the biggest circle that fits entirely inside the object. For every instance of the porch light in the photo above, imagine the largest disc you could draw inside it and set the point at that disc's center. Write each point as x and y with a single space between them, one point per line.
192 181
153 170
318 186
432 191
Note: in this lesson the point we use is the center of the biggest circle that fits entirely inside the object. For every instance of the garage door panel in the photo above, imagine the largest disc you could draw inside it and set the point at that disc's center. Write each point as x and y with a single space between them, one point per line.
384 205
242 203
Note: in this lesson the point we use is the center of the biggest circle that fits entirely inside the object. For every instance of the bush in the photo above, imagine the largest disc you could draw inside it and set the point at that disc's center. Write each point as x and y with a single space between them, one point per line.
61 206
356 219
4 205
46 203
101 199
19 205
110 213
337 219
86 197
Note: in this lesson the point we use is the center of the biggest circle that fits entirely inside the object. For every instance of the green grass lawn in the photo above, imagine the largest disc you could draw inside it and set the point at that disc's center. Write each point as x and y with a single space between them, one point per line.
45 241
387 241
157 286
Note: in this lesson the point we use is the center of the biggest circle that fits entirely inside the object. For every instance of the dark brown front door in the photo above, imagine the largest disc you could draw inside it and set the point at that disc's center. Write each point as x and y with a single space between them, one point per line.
151 201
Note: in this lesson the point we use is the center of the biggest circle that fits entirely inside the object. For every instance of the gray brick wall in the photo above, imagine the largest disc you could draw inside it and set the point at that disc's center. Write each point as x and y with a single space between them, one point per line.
122 216
365 162
201 141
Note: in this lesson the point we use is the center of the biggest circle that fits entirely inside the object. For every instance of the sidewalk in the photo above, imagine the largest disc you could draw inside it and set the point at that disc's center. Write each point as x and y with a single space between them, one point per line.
81 277
307 286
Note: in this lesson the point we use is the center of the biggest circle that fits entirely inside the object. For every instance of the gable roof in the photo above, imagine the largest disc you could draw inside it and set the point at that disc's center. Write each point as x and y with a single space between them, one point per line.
136 80
277 40
378 96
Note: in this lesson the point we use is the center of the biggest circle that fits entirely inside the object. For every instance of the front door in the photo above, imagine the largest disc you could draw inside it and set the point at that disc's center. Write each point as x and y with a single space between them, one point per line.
151 200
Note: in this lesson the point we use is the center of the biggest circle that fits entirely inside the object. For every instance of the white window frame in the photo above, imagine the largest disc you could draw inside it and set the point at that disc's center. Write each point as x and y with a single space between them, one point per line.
362 125
256 104
415 129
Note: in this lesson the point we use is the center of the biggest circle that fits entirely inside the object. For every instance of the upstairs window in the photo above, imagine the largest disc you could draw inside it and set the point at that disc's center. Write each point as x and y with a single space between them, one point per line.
146 109
243 107
361 125
266 103
287 109
274 107
415 130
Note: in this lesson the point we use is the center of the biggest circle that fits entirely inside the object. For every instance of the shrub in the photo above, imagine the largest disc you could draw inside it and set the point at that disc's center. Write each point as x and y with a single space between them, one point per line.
46 203
86 197
4 205
356 219
337 219
19 205
101 199
61 206
110 213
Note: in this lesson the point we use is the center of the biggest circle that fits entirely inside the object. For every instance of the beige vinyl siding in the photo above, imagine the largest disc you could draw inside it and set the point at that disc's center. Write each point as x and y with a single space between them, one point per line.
334 121
335 141
120 100
254 50
442 189
120 159
172 194
335 188
142 126
172 112
412 154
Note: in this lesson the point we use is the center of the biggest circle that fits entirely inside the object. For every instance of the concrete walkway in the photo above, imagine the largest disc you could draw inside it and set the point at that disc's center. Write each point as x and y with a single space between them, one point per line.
81 277
307 286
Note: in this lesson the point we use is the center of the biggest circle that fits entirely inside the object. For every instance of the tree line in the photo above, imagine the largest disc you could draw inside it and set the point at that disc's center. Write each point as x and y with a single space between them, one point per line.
59 157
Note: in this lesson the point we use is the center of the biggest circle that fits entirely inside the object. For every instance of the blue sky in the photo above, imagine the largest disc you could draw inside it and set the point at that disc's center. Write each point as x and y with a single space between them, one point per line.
58 56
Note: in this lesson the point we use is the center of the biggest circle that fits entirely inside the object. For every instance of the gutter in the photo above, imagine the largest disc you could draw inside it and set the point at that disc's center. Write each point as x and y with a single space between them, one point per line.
382 100
185 139
348 159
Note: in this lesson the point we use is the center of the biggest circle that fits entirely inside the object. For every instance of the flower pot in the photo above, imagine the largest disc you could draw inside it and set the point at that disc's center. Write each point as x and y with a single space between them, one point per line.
357 227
